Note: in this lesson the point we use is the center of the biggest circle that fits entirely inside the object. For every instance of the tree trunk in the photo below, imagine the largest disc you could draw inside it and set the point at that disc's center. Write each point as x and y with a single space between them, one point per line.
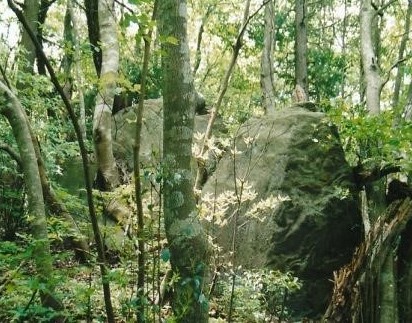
401 69
370 67
356 285
68 57
77 67
384 296
405 275
185 235
266 62
107 176
301 46
93 28
31 13
140 310
388 294
44 8
17 118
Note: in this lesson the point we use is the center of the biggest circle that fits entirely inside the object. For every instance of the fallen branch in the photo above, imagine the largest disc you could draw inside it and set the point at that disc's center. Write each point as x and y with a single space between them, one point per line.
351 281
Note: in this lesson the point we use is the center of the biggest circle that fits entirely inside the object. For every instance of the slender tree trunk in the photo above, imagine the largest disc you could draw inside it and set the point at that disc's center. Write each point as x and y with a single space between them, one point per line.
67 60
266 62
107 176
93 28
138 187
17 118
185 234
77 67
44 8
198 55
301 46
344 49
401 69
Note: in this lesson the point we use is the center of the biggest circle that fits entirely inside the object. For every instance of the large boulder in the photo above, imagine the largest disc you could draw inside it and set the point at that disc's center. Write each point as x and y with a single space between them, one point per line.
124 131
305 216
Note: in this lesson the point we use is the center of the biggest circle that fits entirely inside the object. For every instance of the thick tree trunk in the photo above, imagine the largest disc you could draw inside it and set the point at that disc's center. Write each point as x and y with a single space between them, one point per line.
370 67
185 235
107 174
384 296
31 13
17 118
301 46
266 62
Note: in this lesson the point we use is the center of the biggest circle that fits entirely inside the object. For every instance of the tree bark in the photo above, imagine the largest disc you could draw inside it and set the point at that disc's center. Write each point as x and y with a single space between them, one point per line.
184 232
44 8
266 63
93 28
31 13
17 118
372 80
354 296
301 46
77 67
107 176
401 69
136 167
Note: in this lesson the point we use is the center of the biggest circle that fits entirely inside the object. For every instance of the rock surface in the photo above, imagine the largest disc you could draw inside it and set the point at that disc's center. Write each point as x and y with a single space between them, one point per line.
294 154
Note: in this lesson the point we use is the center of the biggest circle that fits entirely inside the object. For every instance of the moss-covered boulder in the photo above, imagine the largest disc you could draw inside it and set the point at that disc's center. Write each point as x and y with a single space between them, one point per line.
305 216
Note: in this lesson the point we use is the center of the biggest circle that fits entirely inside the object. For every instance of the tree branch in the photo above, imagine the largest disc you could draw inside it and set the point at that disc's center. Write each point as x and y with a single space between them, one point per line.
395 65
13 153
365 176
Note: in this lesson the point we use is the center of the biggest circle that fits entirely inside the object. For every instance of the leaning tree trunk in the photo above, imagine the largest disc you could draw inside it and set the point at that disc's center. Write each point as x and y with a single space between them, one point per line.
266 61
185 235
14 112
107 174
